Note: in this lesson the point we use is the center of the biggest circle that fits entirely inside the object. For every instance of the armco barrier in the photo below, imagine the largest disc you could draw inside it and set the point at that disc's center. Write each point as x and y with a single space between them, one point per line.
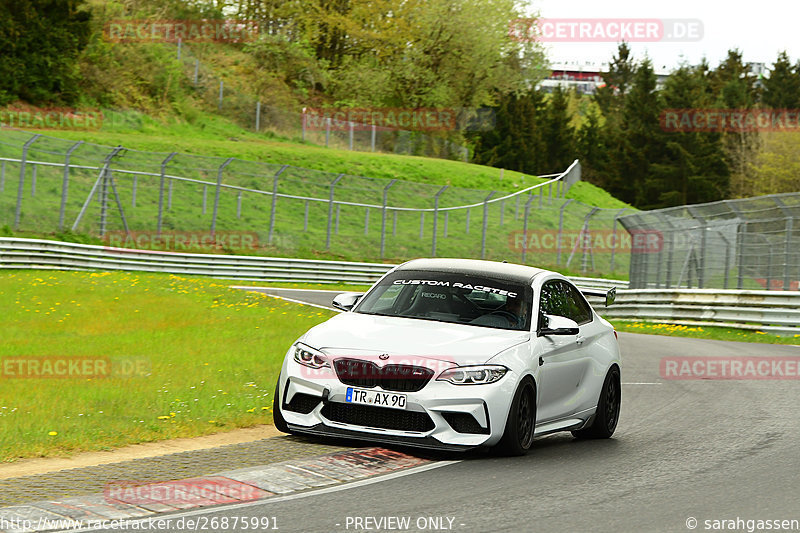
774 311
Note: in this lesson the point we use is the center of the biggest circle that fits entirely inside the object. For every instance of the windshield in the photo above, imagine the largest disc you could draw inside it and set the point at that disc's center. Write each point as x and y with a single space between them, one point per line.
459 298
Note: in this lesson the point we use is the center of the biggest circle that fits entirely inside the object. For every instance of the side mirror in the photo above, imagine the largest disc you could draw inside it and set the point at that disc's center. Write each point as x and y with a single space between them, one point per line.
557 325
347 300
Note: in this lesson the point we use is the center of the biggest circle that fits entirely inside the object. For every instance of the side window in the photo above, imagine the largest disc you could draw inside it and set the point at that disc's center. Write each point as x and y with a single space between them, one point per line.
552 300
562 299
579 309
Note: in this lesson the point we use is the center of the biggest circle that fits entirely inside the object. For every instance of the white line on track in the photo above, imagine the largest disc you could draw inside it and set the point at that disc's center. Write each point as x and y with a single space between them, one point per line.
291 299
127 524
642 383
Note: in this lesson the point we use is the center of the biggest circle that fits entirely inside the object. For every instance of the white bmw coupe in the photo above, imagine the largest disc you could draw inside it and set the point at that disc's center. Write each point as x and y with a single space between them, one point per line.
456 354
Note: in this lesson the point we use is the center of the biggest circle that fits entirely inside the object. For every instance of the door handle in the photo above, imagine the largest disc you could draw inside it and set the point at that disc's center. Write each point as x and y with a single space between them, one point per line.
541 360
580 339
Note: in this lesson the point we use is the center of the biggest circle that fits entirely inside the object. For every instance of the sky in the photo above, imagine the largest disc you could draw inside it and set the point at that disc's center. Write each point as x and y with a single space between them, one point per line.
759 29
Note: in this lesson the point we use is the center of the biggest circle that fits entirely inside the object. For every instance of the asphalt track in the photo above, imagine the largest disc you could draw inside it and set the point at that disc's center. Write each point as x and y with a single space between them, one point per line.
683 451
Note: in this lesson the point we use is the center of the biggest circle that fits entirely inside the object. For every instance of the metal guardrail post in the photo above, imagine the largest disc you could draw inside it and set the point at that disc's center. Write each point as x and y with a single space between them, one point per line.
525 229
330 206
65 185
24 158
164 164
436 219
485 223
787 254
274 202
216 194
383 211
560 230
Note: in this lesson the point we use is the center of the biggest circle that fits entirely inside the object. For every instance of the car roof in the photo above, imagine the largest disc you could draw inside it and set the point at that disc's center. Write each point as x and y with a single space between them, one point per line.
475 267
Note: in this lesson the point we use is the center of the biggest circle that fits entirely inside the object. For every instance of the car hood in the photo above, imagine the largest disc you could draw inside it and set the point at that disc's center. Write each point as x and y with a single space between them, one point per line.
359 334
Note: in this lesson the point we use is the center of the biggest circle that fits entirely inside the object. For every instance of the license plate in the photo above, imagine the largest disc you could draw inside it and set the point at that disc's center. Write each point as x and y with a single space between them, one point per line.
377 398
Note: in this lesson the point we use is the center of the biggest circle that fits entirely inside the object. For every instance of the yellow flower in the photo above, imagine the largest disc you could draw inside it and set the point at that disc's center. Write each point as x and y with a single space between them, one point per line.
251 410
163 417
53 433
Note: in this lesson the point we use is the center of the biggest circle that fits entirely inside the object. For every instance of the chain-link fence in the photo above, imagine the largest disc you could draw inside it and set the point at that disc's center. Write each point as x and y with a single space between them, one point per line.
49 184
751 243
255 115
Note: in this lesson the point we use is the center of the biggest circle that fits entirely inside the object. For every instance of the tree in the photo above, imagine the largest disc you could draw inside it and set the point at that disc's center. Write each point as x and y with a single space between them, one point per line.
40 42
782 87
559 135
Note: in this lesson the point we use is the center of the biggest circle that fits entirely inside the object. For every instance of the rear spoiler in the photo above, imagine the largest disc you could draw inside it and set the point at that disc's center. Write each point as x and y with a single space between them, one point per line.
610 295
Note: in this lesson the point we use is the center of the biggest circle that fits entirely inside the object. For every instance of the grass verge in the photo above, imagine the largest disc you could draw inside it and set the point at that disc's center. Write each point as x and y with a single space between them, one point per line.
186 357
704 332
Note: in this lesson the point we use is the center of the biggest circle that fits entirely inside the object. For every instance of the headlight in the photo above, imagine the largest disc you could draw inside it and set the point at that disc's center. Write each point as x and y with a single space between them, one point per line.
308 356
473 375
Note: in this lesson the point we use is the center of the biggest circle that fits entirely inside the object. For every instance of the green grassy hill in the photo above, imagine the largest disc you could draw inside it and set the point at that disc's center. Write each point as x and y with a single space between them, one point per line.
203 145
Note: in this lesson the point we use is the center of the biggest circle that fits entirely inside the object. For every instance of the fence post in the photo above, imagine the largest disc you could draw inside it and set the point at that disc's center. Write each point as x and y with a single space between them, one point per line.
34 168
383 215
525 228
330 207
64 184
101 179
164 164
614 237
221 85
179 48
327 131
485 223
303 126
239 205
351 135
373 137
25 147
216 194
467 228
205 194
258 116
274 203
436 219
133 190
560 231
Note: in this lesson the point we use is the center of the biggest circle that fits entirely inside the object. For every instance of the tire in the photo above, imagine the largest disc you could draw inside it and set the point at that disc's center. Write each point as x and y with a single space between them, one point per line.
607 415
277 416
521 423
